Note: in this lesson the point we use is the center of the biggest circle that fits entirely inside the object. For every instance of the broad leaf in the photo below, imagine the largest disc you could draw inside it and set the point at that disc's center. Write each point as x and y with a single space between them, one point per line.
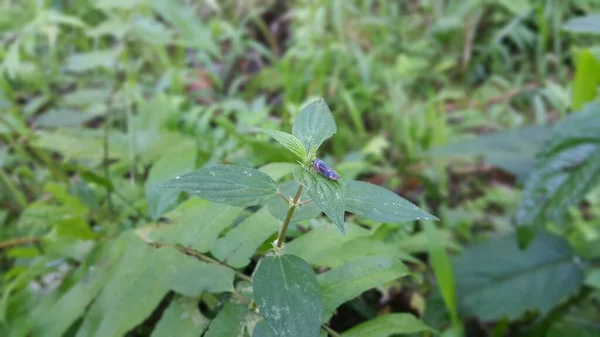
228 184
192 277
327 194
314 246
380 204
160 200
587 78
586 24
182 319
196 224
278 207
288 296
263 329
567 168
289 141
313 125
344 283
496 279
387 325
237 247
278 170
229 321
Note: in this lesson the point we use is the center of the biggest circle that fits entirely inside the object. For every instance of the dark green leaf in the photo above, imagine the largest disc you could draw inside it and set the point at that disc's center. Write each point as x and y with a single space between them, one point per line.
380 204
387 325
326 193
567 168
314 125
182 319
196 224
586 24
288 296
228 184
344 283
229 321
263 329
489 275
160 200
237 247
289 141
278 207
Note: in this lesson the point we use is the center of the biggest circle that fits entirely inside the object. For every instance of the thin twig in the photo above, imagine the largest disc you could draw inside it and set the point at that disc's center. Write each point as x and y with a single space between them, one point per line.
18 242
283 197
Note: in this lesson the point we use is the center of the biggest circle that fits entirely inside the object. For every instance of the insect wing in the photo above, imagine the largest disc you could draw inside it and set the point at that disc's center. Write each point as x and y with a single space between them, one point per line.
325 170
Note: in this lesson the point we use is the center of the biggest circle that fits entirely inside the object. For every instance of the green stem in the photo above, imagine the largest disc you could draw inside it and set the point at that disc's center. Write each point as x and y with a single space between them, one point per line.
288 217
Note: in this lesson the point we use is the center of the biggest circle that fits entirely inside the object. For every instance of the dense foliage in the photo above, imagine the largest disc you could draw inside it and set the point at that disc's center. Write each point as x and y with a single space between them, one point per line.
156 174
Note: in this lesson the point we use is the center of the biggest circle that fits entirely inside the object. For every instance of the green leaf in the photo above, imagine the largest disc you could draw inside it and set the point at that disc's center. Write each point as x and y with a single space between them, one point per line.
288 296
196 223
192 277
237 247
70 306
289 141
587 78
137 286
442 268
344 283
278 207
488 274
314 246
229 321
81 62
278 170
314 125
567 168
586 24
228 184
387 325
380 204
593 278
182 319
263 329
159 200
326 193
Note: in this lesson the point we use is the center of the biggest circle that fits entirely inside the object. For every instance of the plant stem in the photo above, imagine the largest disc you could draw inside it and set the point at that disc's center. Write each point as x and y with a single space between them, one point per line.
330 331
288 217
18 242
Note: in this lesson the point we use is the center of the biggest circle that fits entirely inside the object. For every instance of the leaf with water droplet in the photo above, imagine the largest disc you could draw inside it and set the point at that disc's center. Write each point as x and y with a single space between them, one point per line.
379 204
288 296
327 194
227 184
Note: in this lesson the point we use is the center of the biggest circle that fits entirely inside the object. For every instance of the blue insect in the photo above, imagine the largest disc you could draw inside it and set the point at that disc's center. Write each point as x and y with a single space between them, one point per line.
325 170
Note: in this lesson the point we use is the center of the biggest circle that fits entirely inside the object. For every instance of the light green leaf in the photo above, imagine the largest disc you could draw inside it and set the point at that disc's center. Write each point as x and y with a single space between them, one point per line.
278 170
228 184
327 194
160 200
70 306
545 273
229 321
196 223
380 204
314 125
138 285
182 319
314 246
278 207
289 141
344 283
567 167
593 278
237 247
81 62
442 268
288 296
586 24
192 277
116 4
587 78
387 325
